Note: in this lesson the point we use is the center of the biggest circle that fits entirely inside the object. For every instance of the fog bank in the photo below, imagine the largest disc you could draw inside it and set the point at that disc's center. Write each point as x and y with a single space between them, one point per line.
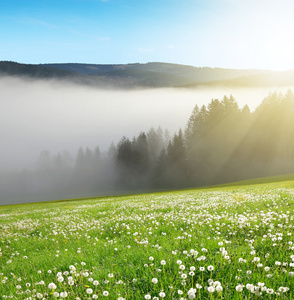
48 115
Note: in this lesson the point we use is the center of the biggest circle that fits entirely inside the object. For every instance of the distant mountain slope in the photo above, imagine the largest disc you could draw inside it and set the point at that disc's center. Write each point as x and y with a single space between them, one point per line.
282 78
168 74
150 75
107 76
36 71
8 68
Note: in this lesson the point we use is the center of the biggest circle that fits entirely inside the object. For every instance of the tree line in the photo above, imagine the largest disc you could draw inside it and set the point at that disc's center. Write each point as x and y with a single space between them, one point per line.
221 142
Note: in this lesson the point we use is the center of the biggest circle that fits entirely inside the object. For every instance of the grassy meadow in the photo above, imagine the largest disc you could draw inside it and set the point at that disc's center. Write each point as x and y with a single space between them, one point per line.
230 242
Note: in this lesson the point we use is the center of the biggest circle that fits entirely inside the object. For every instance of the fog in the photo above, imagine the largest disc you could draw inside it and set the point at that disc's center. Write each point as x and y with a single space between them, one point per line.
60 116
42 115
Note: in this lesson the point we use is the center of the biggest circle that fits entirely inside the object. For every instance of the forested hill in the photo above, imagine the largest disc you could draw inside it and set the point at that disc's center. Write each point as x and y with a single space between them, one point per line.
128 75
35 71
166 73
157 74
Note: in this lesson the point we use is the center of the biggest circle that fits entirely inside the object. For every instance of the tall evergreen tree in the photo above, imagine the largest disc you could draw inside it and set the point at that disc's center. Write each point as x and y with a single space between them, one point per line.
155 144
80 159
192 128
177 161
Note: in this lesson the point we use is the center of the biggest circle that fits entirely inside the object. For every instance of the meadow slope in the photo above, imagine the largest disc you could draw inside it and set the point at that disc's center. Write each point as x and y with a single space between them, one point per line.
221 243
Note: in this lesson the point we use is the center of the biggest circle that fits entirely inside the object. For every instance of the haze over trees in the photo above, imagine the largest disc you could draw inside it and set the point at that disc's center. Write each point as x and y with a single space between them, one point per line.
221 142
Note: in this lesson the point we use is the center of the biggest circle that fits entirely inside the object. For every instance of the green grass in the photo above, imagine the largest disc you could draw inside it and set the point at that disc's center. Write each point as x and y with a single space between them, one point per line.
269 179
245 232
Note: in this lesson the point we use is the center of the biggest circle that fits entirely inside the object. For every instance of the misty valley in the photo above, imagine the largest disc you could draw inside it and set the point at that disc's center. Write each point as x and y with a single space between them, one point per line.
65 141
133 173
82 130
147 150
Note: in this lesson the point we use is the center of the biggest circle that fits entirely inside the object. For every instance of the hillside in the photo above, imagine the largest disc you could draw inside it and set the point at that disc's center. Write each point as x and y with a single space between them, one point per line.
126 75
220 243
268 79
156 74
150 75
33 71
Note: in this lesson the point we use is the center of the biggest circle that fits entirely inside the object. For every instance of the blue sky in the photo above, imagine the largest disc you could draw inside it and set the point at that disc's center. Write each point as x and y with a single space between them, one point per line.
214 33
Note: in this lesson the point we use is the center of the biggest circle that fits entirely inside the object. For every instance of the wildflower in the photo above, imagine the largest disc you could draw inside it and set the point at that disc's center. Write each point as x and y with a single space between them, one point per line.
147 297
162 294
260 284
70 282
210 268
105 293
154 280
211 289
89 291
63 294
239 288
52 286
219 288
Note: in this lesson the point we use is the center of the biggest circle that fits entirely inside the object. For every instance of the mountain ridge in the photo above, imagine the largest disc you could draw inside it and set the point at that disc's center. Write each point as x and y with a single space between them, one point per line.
147 75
